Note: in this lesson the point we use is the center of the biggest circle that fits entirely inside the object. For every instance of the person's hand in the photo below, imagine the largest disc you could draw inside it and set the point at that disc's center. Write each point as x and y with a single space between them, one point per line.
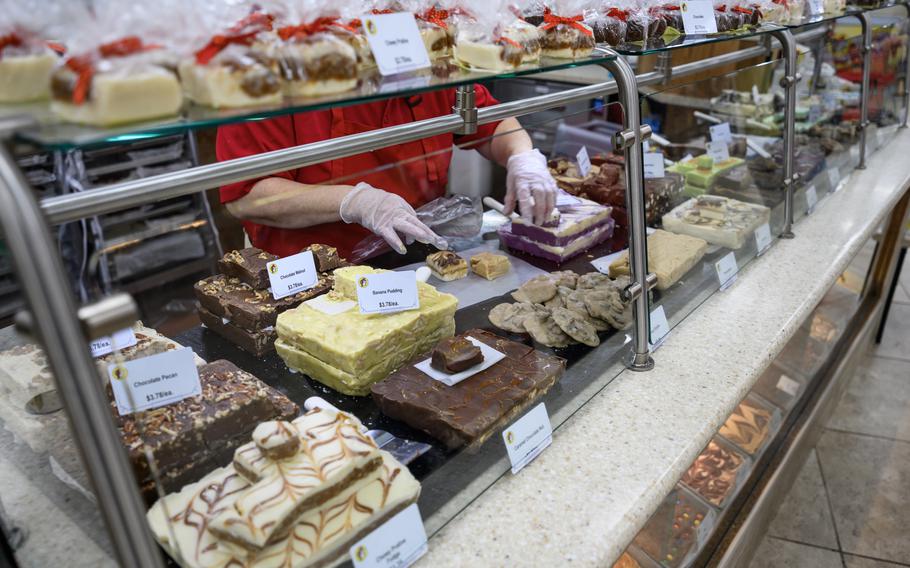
388 216
530 184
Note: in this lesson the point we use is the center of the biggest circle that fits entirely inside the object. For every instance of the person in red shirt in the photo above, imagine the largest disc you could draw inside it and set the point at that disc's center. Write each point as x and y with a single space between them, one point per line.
379 190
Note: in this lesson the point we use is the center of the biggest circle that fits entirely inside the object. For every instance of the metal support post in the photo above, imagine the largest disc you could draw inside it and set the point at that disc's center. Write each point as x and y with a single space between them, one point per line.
45 286
466 108
904 122
866 50
791 78
630 139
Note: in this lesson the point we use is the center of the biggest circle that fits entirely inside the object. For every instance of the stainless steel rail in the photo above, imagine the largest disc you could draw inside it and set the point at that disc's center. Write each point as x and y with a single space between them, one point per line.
866 49
43 281
791 77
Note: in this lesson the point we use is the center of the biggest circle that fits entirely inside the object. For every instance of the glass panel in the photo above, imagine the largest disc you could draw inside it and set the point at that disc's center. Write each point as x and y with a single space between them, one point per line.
51 133
677 41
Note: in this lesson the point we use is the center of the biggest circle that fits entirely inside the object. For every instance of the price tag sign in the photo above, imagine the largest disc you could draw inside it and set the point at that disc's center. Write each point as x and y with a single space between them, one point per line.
528 436
397 543
120 340
726 270
762 238
654 165
811 199
787 385
292 274
584 161
816 7
698 17
660 327
395 42
387 292
154 381
721 133
718 151
834 179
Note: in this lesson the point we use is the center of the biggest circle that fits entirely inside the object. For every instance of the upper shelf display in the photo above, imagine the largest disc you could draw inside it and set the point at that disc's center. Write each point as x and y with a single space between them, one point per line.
115 76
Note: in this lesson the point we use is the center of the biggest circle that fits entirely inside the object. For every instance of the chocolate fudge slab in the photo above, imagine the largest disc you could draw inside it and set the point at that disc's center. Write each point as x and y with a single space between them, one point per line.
471 411
186 436
248 308
257 342
248 265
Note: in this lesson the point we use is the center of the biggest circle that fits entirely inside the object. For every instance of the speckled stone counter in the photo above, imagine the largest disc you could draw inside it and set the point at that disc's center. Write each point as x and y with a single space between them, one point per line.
584 499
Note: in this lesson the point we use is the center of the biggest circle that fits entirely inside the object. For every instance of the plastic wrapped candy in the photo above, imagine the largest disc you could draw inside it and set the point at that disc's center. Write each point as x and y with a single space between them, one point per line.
221 68
437 28
119 65
532 11
608 23
27 58
493 37
564 35
671 16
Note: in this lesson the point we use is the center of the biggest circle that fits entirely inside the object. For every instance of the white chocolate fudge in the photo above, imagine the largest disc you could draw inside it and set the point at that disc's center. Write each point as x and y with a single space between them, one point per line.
125 96
436 40
670 257
233 78
519 44
321 64
719 220
25 77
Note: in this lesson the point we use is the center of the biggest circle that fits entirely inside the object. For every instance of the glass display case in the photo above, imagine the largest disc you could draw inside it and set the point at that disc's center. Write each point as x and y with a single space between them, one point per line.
201 407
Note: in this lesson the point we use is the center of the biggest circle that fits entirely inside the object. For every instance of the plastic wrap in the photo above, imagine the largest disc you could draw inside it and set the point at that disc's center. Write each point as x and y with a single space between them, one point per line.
27 57
564 33
455 217
608 21
434 19
491 36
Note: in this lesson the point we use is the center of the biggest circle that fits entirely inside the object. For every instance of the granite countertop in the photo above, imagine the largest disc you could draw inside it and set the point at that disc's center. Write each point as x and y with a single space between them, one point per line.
586 497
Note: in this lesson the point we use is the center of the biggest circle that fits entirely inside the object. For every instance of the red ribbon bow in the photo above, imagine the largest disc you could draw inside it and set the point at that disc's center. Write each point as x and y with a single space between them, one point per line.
435 16
242 33
742 10
9 40
510 41
617 13
303 30
84 68
551 21
722 8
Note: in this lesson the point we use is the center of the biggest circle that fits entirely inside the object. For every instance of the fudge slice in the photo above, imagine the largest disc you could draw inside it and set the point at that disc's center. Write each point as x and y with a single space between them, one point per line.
250 309
471 411
187 433
670 256
258 342
248 265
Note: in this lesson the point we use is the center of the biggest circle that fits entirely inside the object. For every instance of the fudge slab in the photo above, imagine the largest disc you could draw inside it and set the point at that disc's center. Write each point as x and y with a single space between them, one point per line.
248 265
670 257
471 411
256 342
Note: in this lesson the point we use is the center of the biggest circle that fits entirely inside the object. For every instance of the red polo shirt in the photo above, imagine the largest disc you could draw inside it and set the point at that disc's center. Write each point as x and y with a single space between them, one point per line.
393 169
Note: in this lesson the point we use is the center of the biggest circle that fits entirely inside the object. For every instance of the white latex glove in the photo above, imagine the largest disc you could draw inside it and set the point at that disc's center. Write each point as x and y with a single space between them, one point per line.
530 184
388 216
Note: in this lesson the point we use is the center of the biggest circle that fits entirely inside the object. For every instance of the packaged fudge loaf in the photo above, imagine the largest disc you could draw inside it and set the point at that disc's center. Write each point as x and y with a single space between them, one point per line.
719 220
348 350
472 410
299 495
670 257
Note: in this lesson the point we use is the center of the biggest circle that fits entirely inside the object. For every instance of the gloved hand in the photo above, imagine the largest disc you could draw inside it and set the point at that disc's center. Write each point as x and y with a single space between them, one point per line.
530 184
388 216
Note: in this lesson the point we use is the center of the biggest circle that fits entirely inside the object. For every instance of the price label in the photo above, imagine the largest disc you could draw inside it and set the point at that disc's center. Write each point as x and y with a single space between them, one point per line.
762 238
120 340
816 7
854 153
718 151
154 381
726 270
292 274
698 17
834 179
387 292
584 161
654 165
528 436
787 385
660 327
815 113
721 133
397 543
811 199
395 42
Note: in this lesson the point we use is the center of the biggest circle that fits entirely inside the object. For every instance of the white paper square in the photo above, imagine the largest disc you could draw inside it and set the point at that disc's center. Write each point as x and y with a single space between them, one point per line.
490 358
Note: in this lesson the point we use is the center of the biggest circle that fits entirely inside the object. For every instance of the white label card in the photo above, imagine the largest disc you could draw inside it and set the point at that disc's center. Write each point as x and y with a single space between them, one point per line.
787 385
584 161
698 17
528 436
107 344
811 199
834 179
726 270
387 292
762 238
397 543
816 7
292 274
721 132
154 381
654 165
718 151
395 42
660 327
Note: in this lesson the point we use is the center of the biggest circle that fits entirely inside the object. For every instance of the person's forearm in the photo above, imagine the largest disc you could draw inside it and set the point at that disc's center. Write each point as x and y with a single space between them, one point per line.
278 202
509 139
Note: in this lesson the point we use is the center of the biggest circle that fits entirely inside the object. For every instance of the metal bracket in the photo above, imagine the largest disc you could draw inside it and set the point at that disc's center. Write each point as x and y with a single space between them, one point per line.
788 80
633 291
626 138
104 317
466 108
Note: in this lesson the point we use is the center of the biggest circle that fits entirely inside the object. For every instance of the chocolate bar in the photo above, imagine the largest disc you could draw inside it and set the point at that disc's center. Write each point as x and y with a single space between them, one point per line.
248 265
248 308
257 342
183 437
455 354
471 411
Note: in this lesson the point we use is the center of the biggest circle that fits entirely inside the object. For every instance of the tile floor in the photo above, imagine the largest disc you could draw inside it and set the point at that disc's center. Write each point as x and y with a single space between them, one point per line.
850 505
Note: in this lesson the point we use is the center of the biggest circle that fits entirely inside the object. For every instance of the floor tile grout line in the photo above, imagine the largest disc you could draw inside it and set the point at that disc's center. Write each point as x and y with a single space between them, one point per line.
876 558
803 543
821 471
863 434
875 355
